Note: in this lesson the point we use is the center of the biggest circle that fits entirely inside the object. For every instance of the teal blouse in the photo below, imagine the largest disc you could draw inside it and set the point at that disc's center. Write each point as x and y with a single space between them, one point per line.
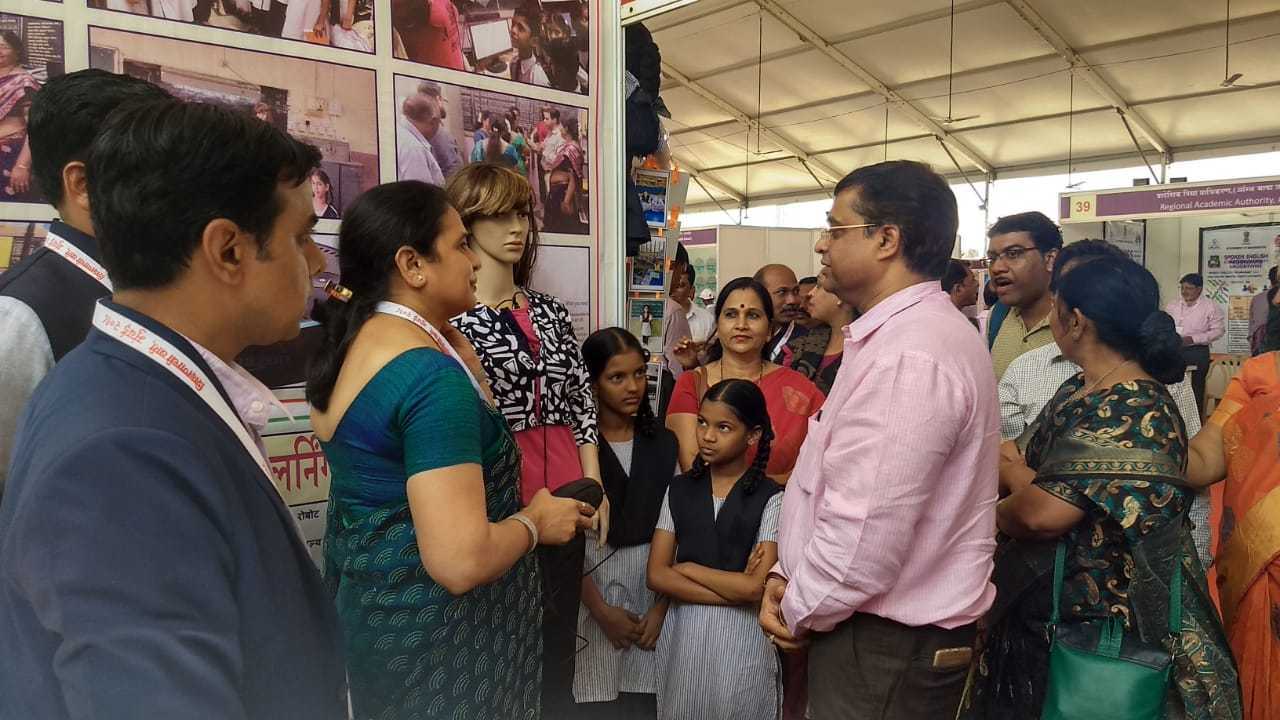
414 650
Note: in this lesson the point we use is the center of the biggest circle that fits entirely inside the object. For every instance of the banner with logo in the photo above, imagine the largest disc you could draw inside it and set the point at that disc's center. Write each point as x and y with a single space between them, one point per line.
1234 260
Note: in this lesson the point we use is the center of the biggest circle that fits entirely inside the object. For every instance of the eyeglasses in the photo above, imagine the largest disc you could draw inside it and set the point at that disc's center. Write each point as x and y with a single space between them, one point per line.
828 234
1013 253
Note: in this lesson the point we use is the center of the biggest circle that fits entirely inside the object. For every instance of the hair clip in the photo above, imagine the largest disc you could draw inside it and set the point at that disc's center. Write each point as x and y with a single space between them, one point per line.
337 292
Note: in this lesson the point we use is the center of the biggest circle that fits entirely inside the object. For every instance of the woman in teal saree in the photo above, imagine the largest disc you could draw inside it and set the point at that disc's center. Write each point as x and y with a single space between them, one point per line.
1103 472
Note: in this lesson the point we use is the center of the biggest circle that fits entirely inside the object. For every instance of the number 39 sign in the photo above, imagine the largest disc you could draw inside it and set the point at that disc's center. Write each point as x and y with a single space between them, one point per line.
1084 207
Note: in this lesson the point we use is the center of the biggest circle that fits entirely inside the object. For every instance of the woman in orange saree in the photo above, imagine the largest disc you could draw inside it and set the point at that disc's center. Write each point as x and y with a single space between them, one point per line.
1241 443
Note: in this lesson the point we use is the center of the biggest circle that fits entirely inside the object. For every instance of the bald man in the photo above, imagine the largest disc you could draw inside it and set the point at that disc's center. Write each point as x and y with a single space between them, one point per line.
443 145
784 291
417 123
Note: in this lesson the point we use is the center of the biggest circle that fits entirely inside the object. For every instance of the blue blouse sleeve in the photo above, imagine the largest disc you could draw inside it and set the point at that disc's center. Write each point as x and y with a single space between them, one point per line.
440 417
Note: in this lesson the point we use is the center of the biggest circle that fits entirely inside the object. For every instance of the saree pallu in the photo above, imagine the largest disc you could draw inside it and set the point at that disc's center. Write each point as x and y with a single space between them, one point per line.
807 356
15 89
1248 551
1118 456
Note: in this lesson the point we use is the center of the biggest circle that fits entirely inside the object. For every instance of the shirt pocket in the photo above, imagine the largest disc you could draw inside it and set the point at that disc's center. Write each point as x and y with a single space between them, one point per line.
809 465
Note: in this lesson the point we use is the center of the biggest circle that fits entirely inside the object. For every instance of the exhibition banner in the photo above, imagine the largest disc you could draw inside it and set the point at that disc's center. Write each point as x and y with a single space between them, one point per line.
1128 235
1234 261
1170 200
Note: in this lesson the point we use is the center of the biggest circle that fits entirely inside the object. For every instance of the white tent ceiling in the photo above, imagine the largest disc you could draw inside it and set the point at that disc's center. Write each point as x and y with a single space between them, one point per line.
778 98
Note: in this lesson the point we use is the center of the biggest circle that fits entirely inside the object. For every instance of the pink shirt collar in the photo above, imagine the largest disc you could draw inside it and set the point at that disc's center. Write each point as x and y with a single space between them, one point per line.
907 297
251 400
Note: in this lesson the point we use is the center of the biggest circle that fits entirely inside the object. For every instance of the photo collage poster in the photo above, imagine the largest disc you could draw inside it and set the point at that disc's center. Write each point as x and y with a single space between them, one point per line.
435 85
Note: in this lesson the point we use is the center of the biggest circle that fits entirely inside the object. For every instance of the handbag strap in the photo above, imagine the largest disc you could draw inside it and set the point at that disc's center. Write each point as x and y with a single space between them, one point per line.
1175 598
1175 589
1059 566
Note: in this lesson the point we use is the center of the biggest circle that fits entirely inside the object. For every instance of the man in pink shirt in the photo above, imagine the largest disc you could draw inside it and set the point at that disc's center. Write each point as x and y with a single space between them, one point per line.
1199 321
888 523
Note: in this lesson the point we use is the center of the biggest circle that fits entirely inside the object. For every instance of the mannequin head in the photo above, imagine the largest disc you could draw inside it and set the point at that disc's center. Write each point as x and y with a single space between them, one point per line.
496 205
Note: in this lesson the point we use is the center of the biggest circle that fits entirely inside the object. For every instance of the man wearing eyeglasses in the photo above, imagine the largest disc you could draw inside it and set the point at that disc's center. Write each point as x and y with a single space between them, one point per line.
1020 257
888 524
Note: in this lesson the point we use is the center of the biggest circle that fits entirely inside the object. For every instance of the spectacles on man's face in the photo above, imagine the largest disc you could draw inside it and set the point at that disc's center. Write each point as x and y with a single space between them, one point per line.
1013 254
827 234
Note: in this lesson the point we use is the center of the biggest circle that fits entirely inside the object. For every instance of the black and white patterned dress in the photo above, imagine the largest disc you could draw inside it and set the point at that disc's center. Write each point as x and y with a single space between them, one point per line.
519 376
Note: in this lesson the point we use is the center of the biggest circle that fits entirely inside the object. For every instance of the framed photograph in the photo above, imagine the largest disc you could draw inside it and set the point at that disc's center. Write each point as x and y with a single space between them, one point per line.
651 185
441 127
537 42
31 52
644 320
346 24
18 239
648 267
329 105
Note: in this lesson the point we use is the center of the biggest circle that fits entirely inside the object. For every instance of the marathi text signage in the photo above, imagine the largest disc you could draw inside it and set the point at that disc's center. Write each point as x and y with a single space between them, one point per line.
1258 194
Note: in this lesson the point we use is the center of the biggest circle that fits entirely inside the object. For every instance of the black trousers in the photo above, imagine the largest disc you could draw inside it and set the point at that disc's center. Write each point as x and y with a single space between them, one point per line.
1198 355
561 594
871 668
271 21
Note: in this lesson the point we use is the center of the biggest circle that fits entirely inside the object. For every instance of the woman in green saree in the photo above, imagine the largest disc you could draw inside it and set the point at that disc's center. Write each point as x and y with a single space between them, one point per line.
1103 472
426 550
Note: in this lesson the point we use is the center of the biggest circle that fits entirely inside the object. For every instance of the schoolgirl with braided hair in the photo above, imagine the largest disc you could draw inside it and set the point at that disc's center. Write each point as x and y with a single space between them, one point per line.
616 668
715 541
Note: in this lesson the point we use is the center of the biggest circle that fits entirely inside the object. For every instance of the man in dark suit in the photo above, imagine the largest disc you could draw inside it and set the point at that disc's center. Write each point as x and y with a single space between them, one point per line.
47 299
149 567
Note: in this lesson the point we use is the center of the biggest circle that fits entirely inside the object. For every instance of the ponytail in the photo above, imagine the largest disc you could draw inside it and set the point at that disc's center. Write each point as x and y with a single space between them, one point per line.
341 322
646 421
493 145
379 223
756 473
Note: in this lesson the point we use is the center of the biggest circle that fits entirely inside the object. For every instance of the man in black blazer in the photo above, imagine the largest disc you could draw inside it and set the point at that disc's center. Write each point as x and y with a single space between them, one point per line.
149 567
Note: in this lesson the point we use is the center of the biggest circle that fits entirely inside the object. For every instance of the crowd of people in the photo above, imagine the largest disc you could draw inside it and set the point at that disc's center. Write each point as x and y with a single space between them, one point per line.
853 503
340 23
548 154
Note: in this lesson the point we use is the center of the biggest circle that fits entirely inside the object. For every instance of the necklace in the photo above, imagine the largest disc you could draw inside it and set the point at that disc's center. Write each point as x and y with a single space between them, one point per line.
1090 388
513 303
759 376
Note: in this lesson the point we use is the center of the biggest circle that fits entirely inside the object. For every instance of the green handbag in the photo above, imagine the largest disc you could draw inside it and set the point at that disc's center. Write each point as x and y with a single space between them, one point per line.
1096 673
